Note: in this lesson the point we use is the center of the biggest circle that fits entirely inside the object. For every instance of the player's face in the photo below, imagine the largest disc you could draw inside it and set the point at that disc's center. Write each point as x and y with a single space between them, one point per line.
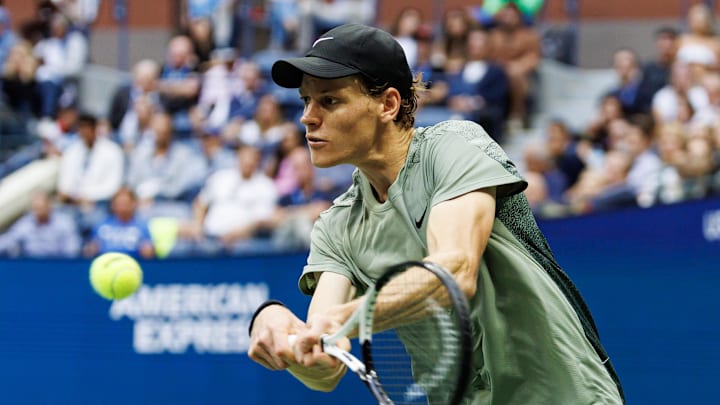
341 121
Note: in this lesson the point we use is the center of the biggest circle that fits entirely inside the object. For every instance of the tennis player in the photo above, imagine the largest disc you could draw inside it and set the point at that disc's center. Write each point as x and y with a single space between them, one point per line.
447 194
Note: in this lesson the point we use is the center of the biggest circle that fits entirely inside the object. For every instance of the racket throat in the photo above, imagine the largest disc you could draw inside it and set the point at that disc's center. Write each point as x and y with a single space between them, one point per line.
373 383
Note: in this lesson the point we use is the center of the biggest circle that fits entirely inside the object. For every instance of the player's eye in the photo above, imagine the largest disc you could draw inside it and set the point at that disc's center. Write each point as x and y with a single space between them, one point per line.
329 101
305 100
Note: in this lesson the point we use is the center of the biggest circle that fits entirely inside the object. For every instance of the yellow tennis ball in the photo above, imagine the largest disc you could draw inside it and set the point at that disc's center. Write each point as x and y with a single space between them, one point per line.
115 275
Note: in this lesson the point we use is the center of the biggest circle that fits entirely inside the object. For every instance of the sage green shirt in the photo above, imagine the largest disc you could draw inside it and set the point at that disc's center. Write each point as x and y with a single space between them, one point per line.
530 343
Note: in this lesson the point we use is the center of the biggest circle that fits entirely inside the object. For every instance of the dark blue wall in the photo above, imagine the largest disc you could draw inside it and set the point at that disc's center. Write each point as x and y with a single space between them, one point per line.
650 278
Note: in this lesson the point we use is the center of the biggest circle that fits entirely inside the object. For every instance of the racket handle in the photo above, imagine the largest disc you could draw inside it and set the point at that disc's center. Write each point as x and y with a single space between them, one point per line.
292 339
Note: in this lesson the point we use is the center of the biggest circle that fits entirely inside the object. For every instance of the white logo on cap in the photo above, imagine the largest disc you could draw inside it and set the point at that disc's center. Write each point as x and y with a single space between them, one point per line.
320 40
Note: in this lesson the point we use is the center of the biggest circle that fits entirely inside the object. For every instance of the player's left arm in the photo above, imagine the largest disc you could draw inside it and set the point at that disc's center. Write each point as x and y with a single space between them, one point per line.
458 231
457 234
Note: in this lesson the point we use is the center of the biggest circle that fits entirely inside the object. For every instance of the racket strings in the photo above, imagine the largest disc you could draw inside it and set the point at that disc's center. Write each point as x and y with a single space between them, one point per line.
429 334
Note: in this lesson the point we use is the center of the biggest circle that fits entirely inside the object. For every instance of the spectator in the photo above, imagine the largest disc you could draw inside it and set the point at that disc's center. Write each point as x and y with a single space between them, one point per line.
516 47
604 189
62 58
179 84
297 211
480 91
699 47
699 165
123 231
646 163
667 102
200 32
244 103
667 185
657 72
122 114
91 168
634 93
425 65
137 127
279 166
709 113
265 129
220 83
453 38
233 204
563 150
537 160
164 169
217 156
405 30
42 232
18 80
610 110
57 135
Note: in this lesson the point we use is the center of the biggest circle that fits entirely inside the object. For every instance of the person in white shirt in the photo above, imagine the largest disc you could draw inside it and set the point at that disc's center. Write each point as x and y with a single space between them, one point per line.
165 169
91 168
63 56
646 162
234 202
666 102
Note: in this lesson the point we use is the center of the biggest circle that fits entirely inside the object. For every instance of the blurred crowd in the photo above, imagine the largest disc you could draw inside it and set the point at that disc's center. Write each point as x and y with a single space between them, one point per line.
654 139
200 153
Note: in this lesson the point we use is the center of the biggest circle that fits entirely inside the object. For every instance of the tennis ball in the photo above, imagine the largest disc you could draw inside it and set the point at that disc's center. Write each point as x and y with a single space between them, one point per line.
115 275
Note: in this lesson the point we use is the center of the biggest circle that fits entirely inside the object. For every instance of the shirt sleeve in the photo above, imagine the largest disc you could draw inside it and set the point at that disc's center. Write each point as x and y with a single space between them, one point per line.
324 256
460 165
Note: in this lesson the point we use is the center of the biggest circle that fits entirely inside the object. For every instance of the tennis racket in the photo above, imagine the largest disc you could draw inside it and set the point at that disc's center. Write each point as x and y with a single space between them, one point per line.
414 332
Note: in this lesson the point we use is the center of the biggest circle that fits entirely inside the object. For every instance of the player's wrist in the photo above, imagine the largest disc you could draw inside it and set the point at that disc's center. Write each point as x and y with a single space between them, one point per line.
260 309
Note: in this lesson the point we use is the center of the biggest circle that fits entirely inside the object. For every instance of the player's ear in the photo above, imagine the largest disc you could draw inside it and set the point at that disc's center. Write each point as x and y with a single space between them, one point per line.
391 105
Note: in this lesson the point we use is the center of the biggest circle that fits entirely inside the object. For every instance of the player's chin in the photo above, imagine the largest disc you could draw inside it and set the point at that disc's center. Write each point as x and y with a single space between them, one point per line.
323 160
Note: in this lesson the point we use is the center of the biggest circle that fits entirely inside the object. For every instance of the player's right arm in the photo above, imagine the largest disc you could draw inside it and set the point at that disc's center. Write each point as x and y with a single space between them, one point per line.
269 336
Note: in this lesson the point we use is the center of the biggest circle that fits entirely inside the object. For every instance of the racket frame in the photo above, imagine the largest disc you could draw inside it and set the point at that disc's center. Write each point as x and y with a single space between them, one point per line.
362 320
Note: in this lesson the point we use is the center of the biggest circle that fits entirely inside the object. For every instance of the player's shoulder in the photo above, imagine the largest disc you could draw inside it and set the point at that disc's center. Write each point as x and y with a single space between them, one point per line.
460 130
341 206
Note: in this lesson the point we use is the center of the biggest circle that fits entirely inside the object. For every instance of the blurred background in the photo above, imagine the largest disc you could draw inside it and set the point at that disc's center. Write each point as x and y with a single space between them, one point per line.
153 128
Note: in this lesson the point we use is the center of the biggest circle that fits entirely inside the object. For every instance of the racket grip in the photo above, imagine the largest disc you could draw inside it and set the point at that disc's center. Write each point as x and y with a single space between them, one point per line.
292 339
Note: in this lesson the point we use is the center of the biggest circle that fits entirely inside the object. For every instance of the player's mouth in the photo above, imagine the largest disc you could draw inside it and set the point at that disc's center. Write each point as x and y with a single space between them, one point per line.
314 141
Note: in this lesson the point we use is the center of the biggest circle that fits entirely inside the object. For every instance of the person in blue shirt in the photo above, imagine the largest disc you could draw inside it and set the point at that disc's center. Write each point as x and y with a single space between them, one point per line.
123 231
298 210
480 91
42 232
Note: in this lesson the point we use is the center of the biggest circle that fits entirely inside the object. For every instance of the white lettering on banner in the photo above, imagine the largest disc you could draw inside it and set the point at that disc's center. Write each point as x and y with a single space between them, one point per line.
175 318
711 225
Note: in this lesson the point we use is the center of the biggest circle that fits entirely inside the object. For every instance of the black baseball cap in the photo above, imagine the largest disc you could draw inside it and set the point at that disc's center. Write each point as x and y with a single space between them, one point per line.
347 50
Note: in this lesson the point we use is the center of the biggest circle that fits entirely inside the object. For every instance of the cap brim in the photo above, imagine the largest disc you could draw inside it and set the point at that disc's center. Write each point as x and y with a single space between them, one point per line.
289 72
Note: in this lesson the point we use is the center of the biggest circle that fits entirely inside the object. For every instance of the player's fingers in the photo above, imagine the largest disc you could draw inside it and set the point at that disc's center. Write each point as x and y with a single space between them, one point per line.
304 344
265 364
269 348
324 360
261 356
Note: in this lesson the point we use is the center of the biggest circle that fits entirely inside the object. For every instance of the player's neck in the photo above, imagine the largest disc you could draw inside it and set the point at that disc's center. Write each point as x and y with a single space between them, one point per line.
383 171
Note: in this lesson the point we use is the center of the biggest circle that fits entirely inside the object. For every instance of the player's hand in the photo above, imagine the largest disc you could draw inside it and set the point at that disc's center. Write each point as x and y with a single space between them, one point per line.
269 340
307 350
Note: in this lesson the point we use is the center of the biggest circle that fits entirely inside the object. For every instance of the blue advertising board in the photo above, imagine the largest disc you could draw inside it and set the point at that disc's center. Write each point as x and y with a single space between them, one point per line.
182 338
650 278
